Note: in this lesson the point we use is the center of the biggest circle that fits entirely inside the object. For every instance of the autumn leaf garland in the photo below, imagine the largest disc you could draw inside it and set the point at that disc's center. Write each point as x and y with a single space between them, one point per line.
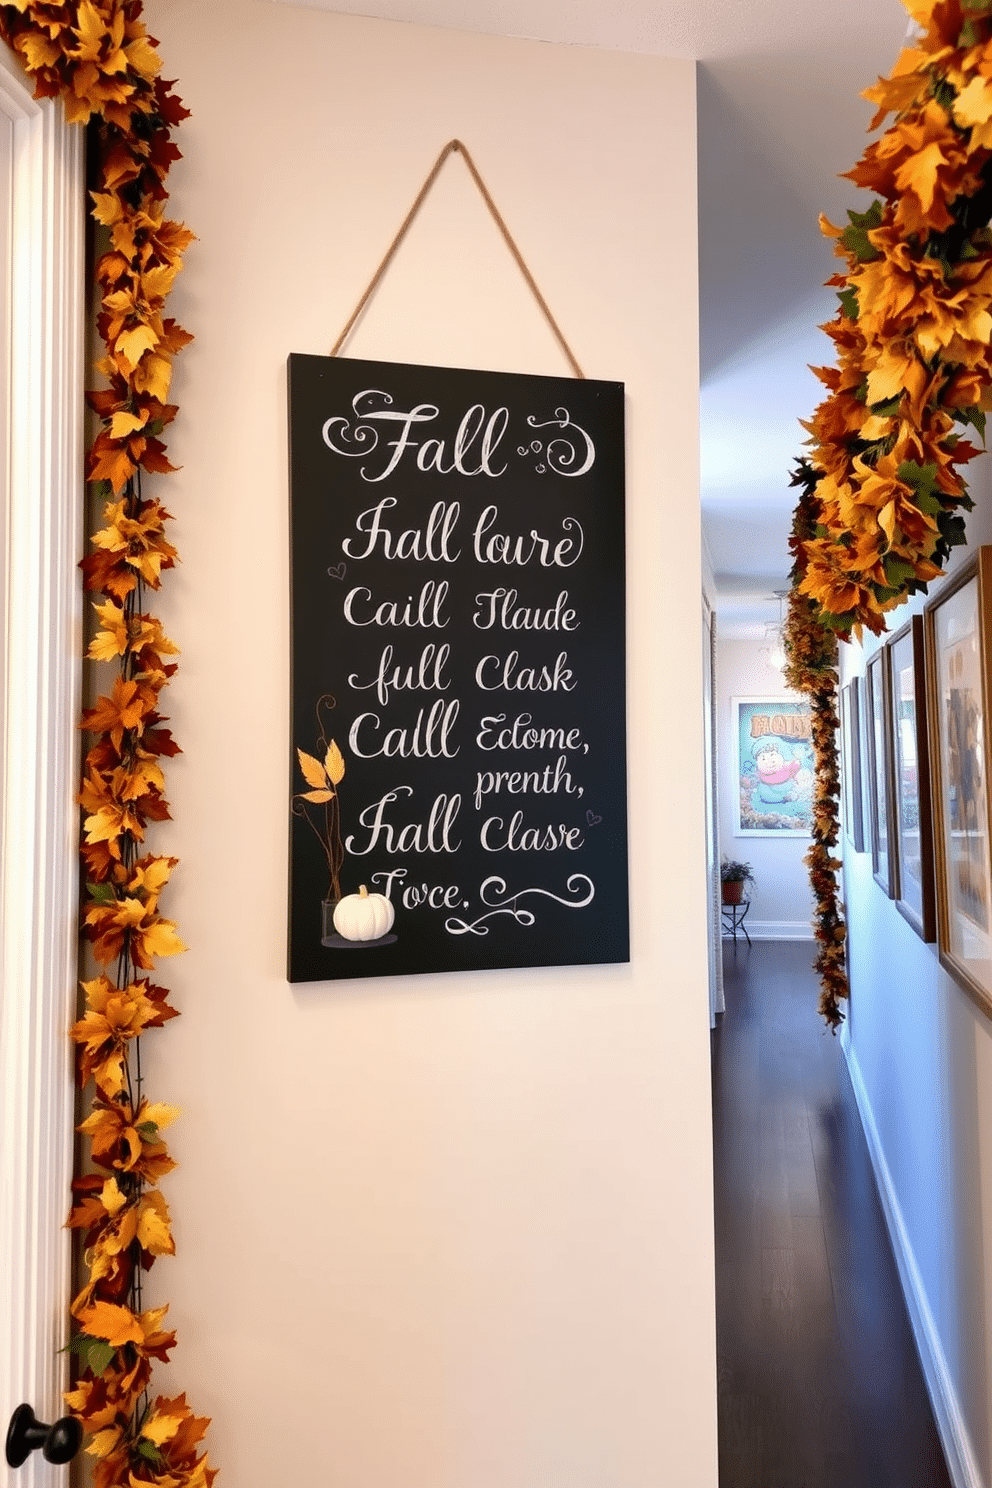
883 498
912 332
97 57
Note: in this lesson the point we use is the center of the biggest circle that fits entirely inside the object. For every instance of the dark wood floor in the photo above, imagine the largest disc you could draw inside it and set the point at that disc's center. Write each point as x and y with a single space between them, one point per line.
819 1381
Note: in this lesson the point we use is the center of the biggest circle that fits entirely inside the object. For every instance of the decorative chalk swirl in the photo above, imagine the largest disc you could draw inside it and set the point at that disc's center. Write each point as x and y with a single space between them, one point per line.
340 437
578 883
565 451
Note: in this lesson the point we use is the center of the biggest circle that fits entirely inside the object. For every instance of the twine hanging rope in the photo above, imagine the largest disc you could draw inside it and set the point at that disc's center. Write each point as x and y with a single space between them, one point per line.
451 148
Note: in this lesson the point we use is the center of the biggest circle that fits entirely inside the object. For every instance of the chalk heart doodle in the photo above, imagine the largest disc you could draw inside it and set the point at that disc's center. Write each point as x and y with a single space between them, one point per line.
492 890
592 820
338 570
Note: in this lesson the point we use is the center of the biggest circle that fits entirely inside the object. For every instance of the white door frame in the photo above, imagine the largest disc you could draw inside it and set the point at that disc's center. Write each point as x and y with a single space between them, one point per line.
41 507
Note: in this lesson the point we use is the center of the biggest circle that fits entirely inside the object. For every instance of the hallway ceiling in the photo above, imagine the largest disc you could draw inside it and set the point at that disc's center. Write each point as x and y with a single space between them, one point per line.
779 115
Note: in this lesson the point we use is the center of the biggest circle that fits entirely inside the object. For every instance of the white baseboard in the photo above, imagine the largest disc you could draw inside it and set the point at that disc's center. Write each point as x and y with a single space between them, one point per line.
775 930
951 1425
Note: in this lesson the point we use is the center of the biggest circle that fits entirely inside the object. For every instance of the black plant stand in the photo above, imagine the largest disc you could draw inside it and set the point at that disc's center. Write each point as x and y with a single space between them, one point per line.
733 918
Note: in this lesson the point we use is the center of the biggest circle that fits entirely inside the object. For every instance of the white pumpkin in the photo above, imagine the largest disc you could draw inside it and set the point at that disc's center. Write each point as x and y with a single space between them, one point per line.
363 916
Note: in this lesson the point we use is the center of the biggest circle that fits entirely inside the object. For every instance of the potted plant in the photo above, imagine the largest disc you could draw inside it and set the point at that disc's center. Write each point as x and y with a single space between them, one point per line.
733 877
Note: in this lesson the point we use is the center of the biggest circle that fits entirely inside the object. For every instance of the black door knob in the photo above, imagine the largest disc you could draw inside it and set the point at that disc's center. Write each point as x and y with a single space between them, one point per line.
58 1443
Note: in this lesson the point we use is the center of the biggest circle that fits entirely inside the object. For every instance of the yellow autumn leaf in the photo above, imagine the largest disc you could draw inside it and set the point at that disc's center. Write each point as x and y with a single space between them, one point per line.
77 110
891 374
123 424
161 939
973 104
111 1197
106 207
317 796
157 1113
143 57
154 1230
106 646
313 771
151 874
112 1242
887 520
107 824
874 427
104 1442
163 1425
118 1325
919 173
156 282
154 376
334 764
91 30
37 51
132 345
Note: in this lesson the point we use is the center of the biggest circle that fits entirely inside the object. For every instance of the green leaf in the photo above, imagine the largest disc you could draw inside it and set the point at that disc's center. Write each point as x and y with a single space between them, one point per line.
150 1452
927 504
921 479
942 91
95 1353
897 571
889 408
855 237
101 893
102 490
974 416
951 528
149 1130
849 302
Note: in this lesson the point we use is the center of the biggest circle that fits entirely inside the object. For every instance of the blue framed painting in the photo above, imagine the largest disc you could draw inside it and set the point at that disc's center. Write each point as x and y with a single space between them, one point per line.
773 765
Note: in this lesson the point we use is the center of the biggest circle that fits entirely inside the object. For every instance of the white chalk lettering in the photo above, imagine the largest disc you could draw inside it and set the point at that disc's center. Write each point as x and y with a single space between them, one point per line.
426 676
494 673
434 835
546 782
496 836
429 737
522 734
500 548
499 607
431 546
427 612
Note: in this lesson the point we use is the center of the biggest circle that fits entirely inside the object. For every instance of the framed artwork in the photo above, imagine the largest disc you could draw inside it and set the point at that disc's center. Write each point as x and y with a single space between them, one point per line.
773 761
850 720
957 636
912 820
879 771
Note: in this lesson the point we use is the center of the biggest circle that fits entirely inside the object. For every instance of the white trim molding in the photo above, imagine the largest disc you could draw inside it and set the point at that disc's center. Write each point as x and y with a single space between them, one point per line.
41 631
774 930
962 1463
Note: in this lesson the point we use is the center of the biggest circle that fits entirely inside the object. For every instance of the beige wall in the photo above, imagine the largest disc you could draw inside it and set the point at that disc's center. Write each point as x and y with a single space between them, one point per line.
447 1232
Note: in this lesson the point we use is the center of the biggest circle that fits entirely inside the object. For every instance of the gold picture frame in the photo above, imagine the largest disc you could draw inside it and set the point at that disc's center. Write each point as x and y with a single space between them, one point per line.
878 720
851 766
912 815
958 629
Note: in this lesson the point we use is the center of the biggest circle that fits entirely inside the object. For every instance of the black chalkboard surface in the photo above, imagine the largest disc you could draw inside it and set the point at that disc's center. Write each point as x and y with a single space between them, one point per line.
458 702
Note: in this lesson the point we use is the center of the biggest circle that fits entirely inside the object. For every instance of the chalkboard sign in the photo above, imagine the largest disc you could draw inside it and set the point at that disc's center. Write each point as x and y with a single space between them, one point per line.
458 796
